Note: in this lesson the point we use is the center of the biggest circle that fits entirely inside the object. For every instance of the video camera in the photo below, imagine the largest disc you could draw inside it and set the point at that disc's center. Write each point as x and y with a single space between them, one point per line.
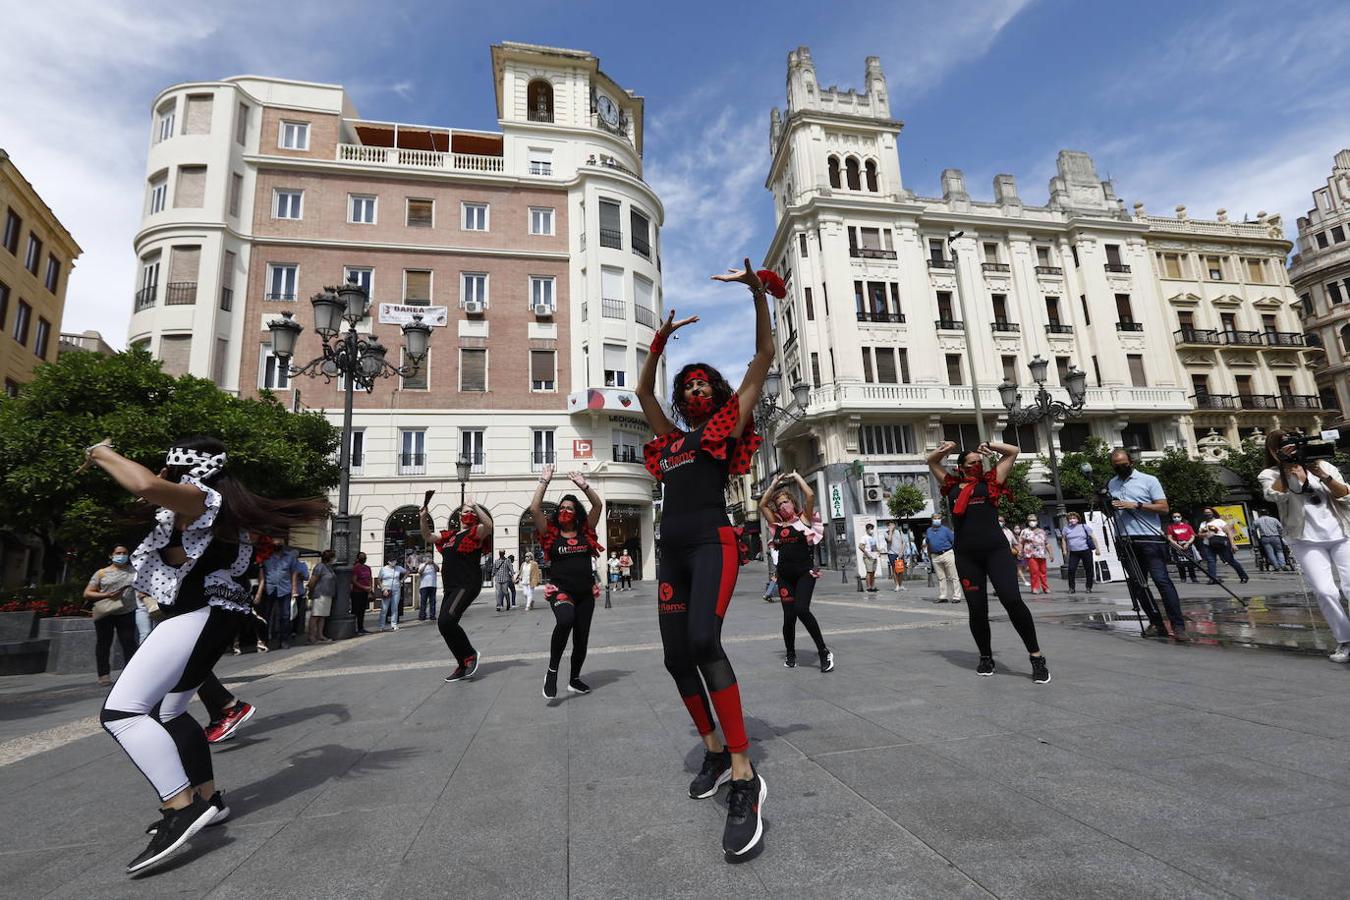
1308 448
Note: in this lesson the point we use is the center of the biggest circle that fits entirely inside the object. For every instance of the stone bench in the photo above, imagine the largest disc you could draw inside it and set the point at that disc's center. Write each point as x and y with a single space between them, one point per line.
72 645
21 651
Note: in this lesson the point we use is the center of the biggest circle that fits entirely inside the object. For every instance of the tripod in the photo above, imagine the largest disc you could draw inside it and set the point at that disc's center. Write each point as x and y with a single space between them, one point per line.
1134 573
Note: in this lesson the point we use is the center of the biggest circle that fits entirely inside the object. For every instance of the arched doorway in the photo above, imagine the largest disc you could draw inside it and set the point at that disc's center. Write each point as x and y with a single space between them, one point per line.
529 537
403 536
540 97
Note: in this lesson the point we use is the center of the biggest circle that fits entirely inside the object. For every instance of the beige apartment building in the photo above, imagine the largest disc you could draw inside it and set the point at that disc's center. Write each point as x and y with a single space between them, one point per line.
533 251
36 256
1320 272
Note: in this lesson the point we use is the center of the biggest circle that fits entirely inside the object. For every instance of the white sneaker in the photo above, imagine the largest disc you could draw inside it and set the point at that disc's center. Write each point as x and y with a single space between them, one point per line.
1342 654
395 626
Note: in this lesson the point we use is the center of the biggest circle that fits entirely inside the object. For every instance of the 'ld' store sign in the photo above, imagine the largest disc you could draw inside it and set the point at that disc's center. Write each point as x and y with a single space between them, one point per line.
402 314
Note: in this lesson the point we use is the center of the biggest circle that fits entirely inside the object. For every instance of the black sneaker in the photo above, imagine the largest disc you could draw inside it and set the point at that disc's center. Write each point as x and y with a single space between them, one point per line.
745 818
459 674
826 661
577 686
986 666
222 813
175 829
715 772
1040 674
471 665
790 661
551 684
1154 631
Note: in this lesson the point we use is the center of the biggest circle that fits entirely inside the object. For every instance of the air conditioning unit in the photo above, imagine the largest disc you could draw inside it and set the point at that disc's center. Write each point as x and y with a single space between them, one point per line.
872 494
543 309
473 307
871 479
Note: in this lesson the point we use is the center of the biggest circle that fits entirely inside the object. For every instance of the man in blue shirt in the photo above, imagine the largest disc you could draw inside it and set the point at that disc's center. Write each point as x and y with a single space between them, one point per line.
1138 498
282 585
940 541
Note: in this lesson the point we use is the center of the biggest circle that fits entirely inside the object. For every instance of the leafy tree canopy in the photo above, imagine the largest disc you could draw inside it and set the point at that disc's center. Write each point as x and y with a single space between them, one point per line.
1020 502
906 501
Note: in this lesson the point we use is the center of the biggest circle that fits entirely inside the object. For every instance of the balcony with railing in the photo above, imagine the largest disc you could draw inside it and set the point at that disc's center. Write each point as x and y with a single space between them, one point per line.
180 293
613 309
624 453
1300 401
949 325
994 267
1049 270
877 315
226 299
1213 401
1129 326
477 462
646 316
870 253
406 158
611 238
145 297
1004 326
1285 340
1196 336
642 247
1241 338
937 263
356 465
1058 328
541 458
412 464
1116 267
280 295
1258 401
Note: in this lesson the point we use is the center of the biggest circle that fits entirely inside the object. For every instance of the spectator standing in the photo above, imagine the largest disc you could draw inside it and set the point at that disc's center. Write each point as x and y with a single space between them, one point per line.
502 576
426 608
771 586
1216 533
1181 540
1314 501
612 568
1023 570
897 551
391 594
871 552
301 605
362 584
1078 546
625 571
529 578
1039 551
281 578
941 542
322 587
1269 534
1138 499
114 608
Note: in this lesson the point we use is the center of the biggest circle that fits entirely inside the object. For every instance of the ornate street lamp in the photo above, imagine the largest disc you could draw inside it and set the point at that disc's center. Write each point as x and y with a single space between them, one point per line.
463 466
1047 409
359 361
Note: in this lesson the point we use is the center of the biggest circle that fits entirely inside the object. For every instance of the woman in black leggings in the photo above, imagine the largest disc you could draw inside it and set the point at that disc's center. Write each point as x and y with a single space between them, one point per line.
796 530
699 553
982 555
570 545
462 547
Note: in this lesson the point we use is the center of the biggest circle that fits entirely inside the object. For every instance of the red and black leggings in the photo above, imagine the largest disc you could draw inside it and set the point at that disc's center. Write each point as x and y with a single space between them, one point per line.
795 587
699 564
573 608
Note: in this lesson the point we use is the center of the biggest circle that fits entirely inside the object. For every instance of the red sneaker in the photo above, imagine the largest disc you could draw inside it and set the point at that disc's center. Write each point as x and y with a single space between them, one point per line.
224 728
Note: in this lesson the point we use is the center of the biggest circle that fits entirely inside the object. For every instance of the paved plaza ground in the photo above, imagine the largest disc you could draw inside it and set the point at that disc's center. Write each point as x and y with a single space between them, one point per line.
1143 770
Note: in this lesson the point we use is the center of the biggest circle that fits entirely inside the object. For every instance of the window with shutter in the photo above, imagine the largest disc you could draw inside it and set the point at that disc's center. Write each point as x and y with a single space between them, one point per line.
197 119
190 191
417 287
542 366
472 370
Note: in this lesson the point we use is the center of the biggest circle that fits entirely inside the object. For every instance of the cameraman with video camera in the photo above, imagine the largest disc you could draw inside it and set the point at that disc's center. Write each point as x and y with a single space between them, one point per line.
1314 504
1137 499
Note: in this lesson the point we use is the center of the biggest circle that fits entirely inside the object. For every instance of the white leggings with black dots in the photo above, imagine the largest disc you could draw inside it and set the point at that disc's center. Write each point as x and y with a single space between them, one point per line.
146 710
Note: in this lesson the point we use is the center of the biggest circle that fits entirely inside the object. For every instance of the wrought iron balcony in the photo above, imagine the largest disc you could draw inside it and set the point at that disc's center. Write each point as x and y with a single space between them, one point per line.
936 263
1049 270
613 309
1214 401
280 295
611 237
627 454
949 325
870 253
180 293
994 267
1058 328
412 464
1129 326
1300 401
1258 401
226 299
1005 326
1242 338
145 297
865 315
1286 339
645 316
541 458
1195 336
1116 267
642 247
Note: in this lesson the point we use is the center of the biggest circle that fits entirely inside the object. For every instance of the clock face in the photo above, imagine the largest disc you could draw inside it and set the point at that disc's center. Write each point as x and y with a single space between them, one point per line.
608 110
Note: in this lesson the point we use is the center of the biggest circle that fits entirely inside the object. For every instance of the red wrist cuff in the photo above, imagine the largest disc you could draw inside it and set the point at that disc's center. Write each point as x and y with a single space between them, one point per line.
658 344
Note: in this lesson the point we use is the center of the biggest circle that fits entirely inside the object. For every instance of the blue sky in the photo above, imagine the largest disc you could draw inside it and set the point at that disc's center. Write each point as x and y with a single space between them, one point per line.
1212 105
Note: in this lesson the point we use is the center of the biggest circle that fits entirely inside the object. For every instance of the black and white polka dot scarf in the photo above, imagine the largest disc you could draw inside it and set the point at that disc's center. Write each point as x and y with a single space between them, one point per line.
162 581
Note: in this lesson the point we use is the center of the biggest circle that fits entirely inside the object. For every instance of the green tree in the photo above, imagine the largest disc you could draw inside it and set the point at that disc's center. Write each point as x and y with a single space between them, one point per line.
1020 501
1097 454
905 501
1188 483
84 398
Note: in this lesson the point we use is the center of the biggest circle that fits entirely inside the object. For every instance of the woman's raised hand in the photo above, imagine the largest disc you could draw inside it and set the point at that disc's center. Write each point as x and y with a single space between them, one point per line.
672 326
547 473
579 479
946 447
745 276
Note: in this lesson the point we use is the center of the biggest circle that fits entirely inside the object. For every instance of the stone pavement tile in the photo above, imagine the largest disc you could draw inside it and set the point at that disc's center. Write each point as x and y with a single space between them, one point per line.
1082 870
660 861
932 722
1295 855
618 751
1256 788
356 792
1116 705
209 858
1218 732
1326 716
32 873
1321 757
1121 743
838 732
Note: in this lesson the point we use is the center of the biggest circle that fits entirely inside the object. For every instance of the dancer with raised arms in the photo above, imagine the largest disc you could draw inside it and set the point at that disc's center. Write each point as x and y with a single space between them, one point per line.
796 529
462 545
567 536
699 556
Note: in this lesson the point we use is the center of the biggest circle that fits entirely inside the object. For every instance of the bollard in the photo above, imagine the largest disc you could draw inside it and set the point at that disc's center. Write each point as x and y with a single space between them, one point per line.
607 583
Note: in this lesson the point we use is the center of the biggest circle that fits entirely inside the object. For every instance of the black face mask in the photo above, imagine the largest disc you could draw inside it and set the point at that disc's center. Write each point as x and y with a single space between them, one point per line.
1124 471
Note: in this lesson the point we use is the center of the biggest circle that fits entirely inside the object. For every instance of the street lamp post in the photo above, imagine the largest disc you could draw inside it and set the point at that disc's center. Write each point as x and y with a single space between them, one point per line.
463 466
359 361
1045 408
970 347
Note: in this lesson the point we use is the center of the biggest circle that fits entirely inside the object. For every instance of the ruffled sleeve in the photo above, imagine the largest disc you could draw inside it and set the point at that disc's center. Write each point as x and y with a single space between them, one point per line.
948 482
816 533
717 436
651 451
592 539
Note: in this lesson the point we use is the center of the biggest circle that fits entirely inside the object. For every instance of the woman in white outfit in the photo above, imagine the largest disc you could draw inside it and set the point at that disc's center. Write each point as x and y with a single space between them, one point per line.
1314 505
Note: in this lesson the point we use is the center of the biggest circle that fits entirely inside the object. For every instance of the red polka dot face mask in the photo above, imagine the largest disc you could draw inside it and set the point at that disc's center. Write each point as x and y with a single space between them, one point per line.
699 406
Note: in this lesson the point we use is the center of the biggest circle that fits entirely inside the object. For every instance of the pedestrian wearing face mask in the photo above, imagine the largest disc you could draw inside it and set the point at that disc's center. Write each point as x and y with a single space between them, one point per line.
1037 549
113 598
796 530
982 556
1181 540
1216 535
1077 544
1138 499
940 542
